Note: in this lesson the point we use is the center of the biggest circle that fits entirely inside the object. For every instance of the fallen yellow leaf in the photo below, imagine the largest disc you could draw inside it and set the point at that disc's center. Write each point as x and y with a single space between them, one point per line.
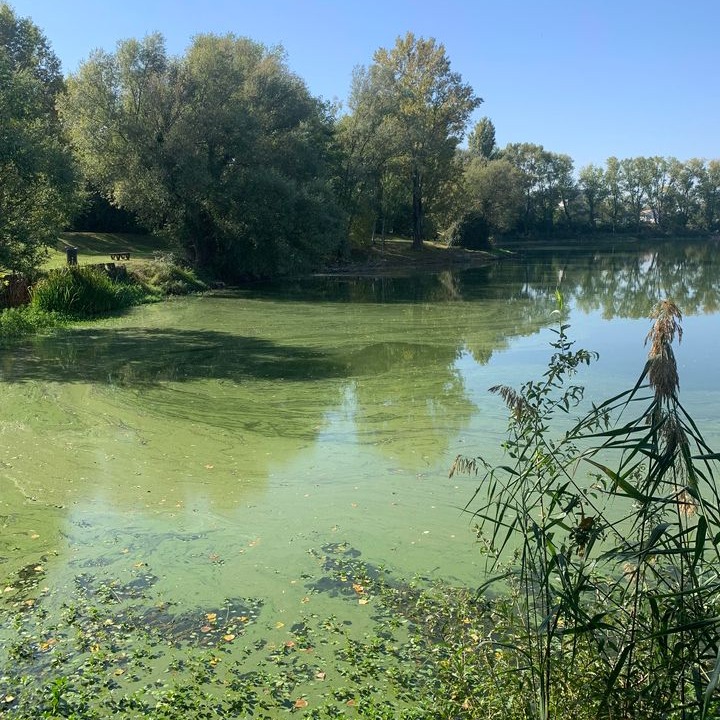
229 637
212 617
300 703
279 624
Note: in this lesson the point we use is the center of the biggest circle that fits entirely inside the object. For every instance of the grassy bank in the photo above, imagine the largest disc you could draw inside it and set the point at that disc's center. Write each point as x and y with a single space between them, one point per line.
99 284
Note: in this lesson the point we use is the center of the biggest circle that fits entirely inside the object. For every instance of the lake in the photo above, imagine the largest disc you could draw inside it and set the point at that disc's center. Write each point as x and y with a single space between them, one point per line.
204 461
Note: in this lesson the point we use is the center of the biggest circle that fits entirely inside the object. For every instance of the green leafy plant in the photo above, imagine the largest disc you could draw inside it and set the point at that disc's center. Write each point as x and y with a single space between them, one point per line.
606 536
27 320
165 275
83 292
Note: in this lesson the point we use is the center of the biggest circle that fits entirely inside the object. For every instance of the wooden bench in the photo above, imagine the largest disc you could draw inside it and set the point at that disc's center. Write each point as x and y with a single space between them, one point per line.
124 255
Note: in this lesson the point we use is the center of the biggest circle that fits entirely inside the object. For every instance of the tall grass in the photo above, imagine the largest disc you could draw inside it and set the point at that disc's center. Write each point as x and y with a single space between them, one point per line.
608 536
83 292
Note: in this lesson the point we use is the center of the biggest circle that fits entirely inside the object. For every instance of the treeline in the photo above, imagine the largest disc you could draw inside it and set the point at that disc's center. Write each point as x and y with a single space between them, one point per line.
224 151
527 190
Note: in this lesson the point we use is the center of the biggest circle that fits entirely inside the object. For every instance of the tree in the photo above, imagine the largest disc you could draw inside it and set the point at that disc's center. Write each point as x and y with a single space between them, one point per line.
224 150
495 190
613 183
591 181
709 192
38 190
633 182
414 96
547 184
481 141
370 189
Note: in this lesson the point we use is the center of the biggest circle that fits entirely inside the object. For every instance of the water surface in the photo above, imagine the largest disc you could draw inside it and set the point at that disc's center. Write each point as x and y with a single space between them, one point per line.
221 446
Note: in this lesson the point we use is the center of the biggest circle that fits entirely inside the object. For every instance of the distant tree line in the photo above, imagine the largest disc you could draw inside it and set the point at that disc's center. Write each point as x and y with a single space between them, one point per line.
224 151
527 190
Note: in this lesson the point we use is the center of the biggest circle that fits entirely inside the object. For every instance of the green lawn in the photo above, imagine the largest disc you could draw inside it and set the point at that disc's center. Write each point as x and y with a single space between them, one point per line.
96 247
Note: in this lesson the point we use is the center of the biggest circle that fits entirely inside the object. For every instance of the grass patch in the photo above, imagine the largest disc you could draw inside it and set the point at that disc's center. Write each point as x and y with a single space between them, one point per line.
164 276
83 292
96 247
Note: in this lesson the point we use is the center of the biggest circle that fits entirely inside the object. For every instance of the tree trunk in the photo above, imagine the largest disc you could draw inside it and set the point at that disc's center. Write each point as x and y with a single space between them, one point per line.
417 211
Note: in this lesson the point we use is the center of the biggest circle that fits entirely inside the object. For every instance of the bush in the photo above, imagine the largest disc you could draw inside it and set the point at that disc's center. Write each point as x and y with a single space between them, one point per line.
166 277
83 292
471 231
26 320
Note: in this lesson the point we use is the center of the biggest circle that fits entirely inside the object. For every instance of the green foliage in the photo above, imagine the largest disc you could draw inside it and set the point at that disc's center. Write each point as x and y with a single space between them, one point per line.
608 537
410 111
224 151
82 292
27 320
481 141
38 184
494 189
166 277
471 231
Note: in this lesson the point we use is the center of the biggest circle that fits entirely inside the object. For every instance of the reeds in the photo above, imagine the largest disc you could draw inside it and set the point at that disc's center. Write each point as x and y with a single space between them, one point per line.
608 536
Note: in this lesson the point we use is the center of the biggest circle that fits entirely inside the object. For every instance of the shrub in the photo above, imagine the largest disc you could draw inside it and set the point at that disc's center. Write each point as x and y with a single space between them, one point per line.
26 320
471 231
165 276
83 292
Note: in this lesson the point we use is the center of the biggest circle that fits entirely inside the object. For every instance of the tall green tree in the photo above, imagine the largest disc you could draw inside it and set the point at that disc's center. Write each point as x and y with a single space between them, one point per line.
591 181
495 190
481 141
547 183
224 150
37 178
709 193
414 97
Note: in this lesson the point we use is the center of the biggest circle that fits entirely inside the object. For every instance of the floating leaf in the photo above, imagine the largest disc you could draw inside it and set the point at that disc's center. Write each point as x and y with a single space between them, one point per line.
289 644
119 671
358 588
363 601
319 675
212 617
229 637
279 624
209 467
205 629
300 703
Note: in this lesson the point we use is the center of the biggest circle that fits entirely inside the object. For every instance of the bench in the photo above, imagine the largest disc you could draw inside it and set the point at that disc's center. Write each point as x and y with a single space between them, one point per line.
124 255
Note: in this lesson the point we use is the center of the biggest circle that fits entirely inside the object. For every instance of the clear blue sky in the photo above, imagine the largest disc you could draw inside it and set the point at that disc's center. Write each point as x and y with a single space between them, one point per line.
590 78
